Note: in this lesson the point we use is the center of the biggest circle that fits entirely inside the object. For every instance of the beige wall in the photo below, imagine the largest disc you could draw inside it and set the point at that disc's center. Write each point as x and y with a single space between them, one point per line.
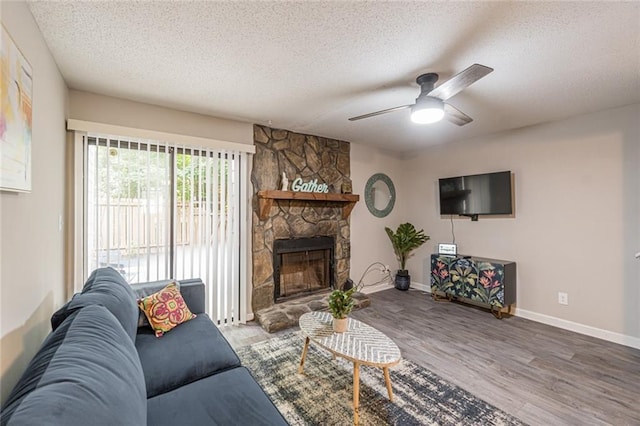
577 214
104 109
576 227
369 242
32 282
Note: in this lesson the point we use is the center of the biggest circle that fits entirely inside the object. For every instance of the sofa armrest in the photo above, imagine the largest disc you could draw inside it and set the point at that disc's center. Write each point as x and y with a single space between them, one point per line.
192 291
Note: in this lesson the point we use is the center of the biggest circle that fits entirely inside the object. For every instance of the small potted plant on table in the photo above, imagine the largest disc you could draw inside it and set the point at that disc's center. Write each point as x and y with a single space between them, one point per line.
404 241
341 304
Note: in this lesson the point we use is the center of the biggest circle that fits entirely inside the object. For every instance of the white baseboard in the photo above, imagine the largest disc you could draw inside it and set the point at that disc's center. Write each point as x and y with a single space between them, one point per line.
376 288
610 336
386 286
588 330
421 287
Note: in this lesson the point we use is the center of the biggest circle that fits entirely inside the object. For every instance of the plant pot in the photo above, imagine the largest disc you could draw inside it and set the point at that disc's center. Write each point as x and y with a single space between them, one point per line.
403 280
340 324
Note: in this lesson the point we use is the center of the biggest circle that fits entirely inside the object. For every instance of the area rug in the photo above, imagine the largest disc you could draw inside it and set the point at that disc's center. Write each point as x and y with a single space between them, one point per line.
323 394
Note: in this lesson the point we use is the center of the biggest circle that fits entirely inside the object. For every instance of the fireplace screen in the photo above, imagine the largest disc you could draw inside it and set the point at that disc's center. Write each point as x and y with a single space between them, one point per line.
302 266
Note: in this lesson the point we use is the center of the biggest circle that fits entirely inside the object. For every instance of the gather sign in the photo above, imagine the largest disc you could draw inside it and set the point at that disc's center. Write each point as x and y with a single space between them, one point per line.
312 186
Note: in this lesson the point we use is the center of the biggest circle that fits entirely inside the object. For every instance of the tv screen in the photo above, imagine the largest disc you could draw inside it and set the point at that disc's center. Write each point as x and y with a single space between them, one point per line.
488 193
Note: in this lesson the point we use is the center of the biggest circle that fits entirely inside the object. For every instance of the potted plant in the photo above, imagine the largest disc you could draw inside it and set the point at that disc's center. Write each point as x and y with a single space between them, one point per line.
404 241
340 305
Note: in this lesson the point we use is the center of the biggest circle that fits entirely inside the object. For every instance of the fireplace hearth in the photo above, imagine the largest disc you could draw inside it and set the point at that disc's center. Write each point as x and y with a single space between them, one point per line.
302 266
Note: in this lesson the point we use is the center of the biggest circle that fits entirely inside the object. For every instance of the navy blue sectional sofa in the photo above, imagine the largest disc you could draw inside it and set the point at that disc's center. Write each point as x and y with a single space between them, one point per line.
101 365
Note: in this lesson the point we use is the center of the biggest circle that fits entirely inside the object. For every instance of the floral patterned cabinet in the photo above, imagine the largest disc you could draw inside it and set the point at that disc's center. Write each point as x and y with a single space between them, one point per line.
487 281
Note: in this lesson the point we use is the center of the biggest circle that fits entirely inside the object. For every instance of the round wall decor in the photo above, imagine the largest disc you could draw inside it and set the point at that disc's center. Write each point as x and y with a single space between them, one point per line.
380 195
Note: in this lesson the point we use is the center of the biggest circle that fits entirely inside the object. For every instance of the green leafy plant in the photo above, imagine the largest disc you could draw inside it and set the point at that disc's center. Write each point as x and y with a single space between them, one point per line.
341 302
405 240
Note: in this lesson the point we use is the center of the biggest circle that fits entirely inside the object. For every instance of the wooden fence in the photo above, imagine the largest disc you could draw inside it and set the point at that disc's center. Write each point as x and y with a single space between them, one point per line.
130 224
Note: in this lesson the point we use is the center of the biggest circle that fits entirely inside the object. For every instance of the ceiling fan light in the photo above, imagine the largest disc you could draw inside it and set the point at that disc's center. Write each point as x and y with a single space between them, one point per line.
427 115
427 110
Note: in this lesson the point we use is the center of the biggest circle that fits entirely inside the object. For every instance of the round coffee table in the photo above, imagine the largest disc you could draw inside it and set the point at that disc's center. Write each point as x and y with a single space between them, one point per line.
360 344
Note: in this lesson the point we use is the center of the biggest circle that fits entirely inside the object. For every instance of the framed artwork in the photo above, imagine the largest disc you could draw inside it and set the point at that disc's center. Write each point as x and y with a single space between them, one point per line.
16 87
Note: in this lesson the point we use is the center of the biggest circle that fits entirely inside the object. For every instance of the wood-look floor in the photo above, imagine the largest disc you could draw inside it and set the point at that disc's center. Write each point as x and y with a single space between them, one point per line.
541 374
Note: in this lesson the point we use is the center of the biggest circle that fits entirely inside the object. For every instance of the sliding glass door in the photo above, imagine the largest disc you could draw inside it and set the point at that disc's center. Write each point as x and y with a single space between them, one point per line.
129 208
158 211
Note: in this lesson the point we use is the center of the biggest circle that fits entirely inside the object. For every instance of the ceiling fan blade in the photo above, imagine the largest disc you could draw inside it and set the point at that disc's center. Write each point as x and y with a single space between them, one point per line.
384 111
459 81
456 116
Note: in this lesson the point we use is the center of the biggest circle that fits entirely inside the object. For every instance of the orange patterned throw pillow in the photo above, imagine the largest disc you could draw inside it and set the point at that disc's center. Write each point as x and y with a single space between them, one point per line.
165 309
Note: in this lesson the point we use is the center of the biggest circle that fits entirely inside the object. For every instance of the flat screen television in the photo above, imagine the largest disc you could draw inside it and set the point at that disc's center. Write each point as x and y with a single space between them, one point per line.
485 194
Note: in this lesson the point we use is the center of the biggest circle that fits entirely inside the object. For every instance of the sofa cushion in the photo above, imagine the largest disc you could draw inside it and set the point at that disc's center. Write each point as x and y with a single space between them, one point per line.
108 288
228 398
165 309
86 372
194 350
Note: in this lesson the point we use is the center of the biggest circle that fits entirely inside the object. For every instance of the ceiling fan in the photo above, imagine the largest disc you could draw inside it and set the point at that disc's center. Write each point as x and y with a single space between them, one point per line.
430 106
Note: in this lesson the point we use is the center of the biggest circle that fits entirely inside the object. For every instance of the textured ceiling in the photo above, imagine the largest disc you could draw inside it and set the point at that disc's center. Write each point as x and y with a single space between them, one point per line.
308 66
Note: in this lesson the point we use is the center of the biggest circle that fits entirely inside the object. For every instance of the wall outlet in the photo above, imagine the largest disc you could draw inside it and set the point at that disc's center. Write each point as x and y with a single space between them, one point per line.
563 298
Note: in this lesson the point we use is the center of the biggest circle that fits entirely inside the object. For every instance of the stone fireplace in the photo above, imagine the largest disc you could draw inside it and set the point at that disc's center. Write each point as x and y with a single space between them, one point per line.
302 266
308 157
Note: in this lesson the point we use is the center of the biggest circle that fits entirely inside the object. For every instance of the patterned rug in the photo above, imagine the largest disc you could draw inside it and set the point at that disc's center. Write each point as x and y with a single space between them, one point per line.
323 395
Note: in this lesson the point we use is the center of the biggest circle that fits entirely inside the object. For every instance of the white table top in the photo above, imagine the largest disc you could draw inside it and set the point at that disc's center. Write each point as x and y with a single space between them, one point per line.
360 343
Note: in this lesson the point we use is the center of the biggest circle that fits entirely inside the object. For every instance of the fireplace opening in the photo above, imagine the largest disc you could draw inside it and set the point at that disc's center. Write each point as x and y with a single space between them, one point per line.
302 266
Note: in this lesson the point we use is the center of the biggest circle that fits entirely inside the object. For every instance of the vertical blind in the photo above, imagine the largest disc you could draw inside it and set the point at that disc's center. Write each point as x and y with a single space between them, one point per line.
158 211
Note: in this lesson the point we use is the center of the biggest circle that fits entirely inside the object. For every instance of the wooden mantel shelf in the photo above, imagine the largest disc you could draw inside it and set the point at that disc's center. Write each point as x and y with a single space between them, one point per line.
265 200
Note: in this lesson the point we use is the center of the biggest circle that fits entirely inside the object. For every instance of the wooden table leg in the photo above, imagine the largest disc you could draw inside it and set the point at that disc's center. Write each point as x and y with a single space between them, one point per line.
387 380
304 354
356 392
